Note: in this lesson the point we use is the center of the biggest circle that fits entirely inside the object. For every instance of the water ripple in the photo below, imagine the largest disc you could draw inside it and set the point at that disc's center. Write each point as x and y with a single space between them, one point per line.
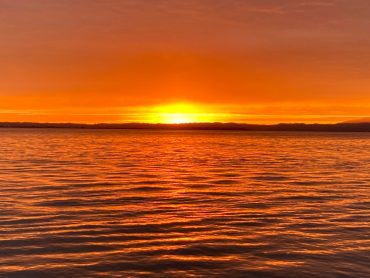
108 203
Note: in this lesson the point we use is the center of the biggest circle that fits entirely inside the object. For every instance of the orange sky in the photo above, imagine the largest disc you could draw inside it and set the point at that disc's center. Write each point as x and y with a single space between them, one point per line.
259 61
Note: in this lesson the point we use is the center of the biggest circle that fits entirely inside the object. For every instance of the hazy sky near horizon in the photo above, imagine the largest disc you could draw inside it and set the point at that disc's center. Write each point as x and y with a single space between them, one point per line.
241 60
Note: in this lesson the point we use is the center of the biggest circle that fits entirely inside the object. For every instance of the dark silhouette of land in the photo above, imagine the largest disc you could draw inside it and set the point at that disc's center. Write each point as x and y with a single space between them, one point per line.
359 121
339 127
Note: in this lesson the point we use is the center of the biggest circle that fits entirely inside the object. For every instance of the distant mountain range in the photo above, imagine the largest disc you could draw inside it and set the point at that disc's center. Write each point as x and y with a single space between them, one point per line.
359 121
340 127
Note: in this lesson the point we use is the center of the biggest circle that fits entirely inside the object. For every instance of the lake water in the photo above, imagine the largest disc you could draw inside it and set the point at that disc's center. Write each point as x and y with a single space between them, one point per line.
115 203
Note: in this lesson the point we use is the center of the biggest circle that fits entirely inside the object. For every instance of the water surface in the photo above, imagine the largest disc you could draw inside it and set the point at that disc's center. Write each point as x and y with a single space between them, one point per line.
115 203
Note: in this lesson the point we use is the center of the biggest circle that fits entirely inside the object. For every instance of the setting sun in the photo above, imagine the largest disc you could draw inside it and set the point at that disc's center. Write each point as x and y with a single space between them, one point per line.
178 118
179 113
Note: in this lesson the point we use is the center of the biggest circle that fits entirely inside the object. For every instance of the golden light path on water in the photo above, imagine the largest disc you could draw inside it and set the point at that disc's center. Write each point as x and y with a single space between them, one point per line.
116 203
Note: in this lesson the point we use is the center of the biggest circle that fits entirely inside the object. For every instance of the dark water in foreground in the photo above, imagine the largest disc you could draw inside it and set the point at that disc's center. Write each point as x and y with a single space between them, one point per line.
77 203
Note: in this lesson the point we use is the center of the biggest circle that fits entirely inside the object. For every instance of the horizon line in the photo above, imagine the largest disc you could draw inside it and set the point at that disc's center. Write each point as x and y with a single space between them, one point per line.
230 126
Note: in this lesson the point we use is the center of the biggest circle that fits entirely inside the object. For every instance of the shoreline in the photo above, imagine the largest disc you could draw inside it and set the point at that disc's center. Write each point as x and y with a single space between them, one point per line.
293 127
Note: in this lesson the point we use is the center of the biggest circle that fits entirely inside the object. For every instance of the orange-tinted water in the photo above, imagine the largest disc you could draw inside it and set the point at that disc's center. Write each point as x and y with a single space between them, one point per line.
110 203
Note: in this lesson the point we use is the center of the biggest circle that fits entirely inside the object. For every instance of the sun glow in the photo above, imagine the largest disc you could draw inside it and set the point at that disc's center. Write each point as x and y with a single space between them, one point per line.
178 118
180 113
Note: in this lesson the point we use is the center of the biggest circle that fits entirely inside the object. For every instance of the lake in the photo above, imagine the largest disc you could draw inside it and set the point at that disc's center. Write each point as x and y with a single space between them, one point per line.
121 203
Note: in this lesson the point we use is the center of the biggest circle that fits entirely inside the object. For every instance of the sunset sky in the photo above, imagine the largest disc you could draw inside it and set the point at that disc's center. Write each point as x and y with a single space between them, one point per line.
258 61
